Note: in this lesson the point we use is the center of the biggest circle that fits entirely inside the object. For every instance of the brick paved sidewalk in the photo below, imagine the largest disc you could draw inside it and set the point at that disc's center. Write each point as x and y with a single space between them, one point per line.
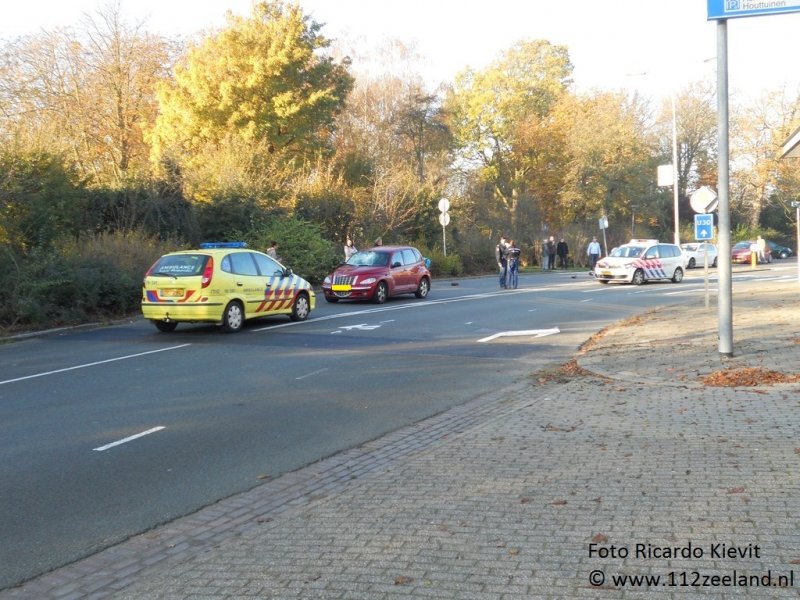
503 498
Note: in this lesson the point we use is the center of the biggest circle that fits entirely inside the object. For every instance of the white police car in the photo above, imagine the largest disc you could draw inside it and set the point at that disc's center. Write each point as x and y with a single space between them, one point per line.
642 260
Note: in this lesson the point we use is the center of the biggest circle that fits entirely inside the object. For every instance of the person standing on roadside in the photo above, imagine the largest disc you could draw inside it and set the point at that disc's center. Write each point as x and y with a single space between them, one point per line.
502 261
349 249
512 256
562 251
551 253
272 251
545 257
593 252
762 249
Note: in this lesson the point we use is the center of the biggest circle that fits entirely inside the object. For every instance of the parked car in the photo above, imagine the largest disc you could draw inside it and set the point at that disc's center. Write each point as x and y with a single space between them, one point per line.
222 283
740 252
779 251
379 273
696 254
642 260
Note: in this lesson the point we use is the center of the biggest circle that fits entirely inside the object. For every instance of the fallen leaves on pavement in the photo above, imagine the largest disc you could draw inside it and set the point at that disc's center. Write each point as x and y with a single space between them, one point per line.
747 377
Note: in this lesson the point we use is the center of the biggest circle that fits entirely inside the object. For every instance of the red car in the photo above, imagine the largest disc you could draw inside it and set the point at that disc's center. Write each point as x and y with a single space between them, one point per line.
740 253
378 273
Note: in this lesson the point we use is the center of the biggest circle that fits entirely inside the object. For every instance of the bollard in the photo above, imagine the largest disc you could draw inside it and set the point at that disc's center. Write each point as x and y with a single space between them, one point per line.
753 260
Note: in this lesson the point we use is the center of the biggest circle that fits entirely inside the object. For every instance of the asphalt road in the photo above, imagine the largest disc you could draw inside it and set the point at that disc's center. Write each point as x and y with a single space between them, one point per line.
108 432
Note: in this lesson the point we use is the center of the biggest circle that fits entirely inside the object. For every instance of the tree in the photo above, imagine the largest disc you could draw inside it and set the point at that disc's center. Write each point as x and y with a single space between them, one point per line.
261 81
759 176
88 93
610 165
488 107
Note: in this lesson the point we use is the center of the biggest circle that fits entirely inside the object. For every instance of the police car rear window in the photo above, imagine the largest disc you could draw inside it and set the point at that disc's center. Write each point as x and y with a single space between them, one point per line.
180 265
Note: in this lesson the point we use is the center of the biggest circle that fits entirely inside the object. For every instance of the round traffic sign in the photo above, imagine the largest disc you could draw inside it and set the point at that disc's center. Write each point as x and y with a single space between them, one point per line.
444 205
444 219
704 200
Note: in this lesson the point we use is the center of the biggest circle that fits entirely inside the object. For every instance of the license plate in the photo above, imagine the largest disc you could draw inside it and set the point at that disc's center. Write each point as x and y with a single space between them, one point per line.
171 293
341 287
605 273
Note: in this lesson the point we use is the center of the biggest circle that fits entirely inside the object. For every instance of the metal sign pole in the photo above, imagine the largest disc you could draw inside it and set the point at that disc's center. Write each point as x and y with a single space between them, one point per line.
725 295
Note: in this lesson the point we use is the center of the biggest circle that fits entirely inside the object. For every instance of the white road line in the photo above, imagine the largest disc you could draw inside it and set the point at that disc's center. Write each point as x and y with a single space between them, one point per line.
99 362
129 439
317 372
418 305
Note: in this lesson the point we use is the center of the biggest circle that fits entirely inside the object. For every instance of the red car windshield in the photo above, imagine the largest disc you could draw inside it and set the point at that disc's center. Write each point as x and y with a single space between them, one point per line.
369 259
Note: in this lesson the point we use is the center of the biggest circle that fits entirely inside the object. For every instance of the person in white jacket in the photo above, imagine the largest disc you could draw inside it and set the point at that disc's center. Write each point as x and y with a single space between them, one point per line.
593 252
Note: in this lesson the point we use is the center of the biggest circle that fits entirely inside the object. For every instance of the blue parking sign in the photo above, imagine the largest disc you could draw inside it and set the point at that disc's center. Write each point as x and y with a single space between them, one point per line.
704 227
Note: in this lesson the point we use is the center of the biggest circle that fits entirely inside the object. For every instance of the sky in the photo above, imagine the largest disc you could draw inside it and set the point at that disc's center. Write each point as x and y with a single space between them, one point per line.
652 47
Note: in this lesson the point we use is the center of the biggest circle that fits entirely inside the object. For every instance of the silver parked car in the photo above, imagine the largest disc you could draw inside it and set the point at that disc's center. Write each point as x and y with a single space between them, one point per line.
696 254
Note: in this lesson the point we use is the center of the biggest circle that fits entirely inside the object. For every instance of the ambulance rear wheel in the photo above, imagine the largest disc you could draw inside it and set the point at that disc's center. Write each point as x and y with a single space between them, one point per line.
233 319
165 326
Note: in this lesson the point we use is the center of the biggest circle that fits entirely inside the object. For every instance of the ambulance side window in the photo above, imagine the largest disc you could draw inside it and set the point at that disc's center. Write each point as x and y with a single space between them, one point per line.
267 266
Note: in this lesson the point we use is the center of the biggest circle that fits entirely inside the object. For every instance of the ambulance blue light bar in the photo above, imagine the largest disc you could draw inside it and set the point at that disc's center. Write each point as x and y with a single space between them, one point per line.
212 245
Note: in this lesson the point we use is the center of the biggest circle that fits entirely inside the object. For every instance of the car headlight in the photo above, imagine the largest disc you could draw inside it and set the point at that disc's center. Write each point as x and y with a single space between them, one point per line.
368 281
327 279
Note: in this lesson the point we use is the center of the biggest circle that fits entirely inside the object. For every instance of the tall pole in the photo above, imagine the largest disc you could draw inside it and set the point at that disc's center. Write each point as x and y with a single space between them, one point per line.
797 219
675 171
725 294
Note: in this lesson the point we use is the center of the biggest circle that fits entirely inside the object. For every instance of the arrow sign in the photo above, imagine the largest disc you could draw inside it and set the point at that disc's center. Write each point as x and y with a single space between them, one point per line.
529 333
704 227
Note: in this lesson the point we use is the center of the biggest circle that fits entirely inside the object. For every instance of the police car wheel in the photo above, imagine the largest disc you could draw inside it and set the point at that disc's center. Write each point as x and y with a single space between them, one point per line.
677 277
300 309
638 277
233 318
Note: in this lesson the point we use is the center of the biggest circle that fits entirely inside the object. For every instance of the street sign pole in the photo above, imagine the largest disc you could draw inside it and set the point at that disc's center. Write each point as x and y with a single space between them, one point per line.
704 231
444 219
722 10
796 206
725 294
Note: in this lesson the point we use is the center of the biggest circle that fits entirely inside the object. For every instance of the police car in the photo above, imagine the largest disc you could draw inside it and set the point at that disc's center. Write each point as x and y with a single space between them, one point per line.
642 260
222 283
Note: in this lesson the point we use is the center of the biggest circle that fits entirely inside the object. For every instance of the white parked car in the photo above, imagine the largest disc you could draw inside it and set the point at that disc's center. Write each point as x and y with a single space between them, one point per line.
696 254
642 260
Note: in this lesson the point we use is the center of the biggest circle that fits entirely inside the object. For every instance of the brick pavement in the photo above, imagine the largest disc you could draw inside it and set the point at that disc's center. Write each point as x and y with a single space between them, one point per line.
502 498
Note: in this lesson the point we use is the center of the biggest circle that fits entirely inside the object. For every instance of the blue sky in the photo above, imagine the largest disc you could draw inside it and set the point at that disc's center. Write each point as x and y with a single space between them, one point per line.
611 42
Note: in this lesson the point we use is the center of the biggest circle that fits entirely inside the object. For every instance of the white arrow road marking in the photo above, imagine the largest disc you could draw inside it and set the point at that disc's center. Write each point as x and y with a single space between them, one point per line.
362 327
129 439
530 333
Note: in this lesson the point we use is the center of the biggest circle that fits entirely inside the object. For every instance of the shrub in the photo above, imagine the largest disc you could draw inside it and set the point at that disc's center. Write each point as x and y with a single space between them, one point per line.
301 246
78 280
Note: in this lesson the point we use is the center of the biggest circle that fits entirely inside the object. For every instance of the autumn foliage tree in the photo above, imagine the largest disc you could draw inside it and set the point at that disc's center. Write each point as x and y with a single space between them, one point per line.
488 111
261 85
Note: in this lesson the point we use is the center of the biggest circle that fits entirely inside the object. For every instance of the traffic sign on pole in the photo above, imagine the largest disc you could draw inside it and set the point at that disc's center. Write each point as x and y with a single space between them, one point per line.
703 227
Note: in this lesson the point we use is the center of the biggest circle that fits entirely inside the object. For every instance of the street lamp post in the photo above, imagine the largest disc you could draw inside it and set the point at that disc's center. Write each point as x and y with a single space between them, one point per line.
633 220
